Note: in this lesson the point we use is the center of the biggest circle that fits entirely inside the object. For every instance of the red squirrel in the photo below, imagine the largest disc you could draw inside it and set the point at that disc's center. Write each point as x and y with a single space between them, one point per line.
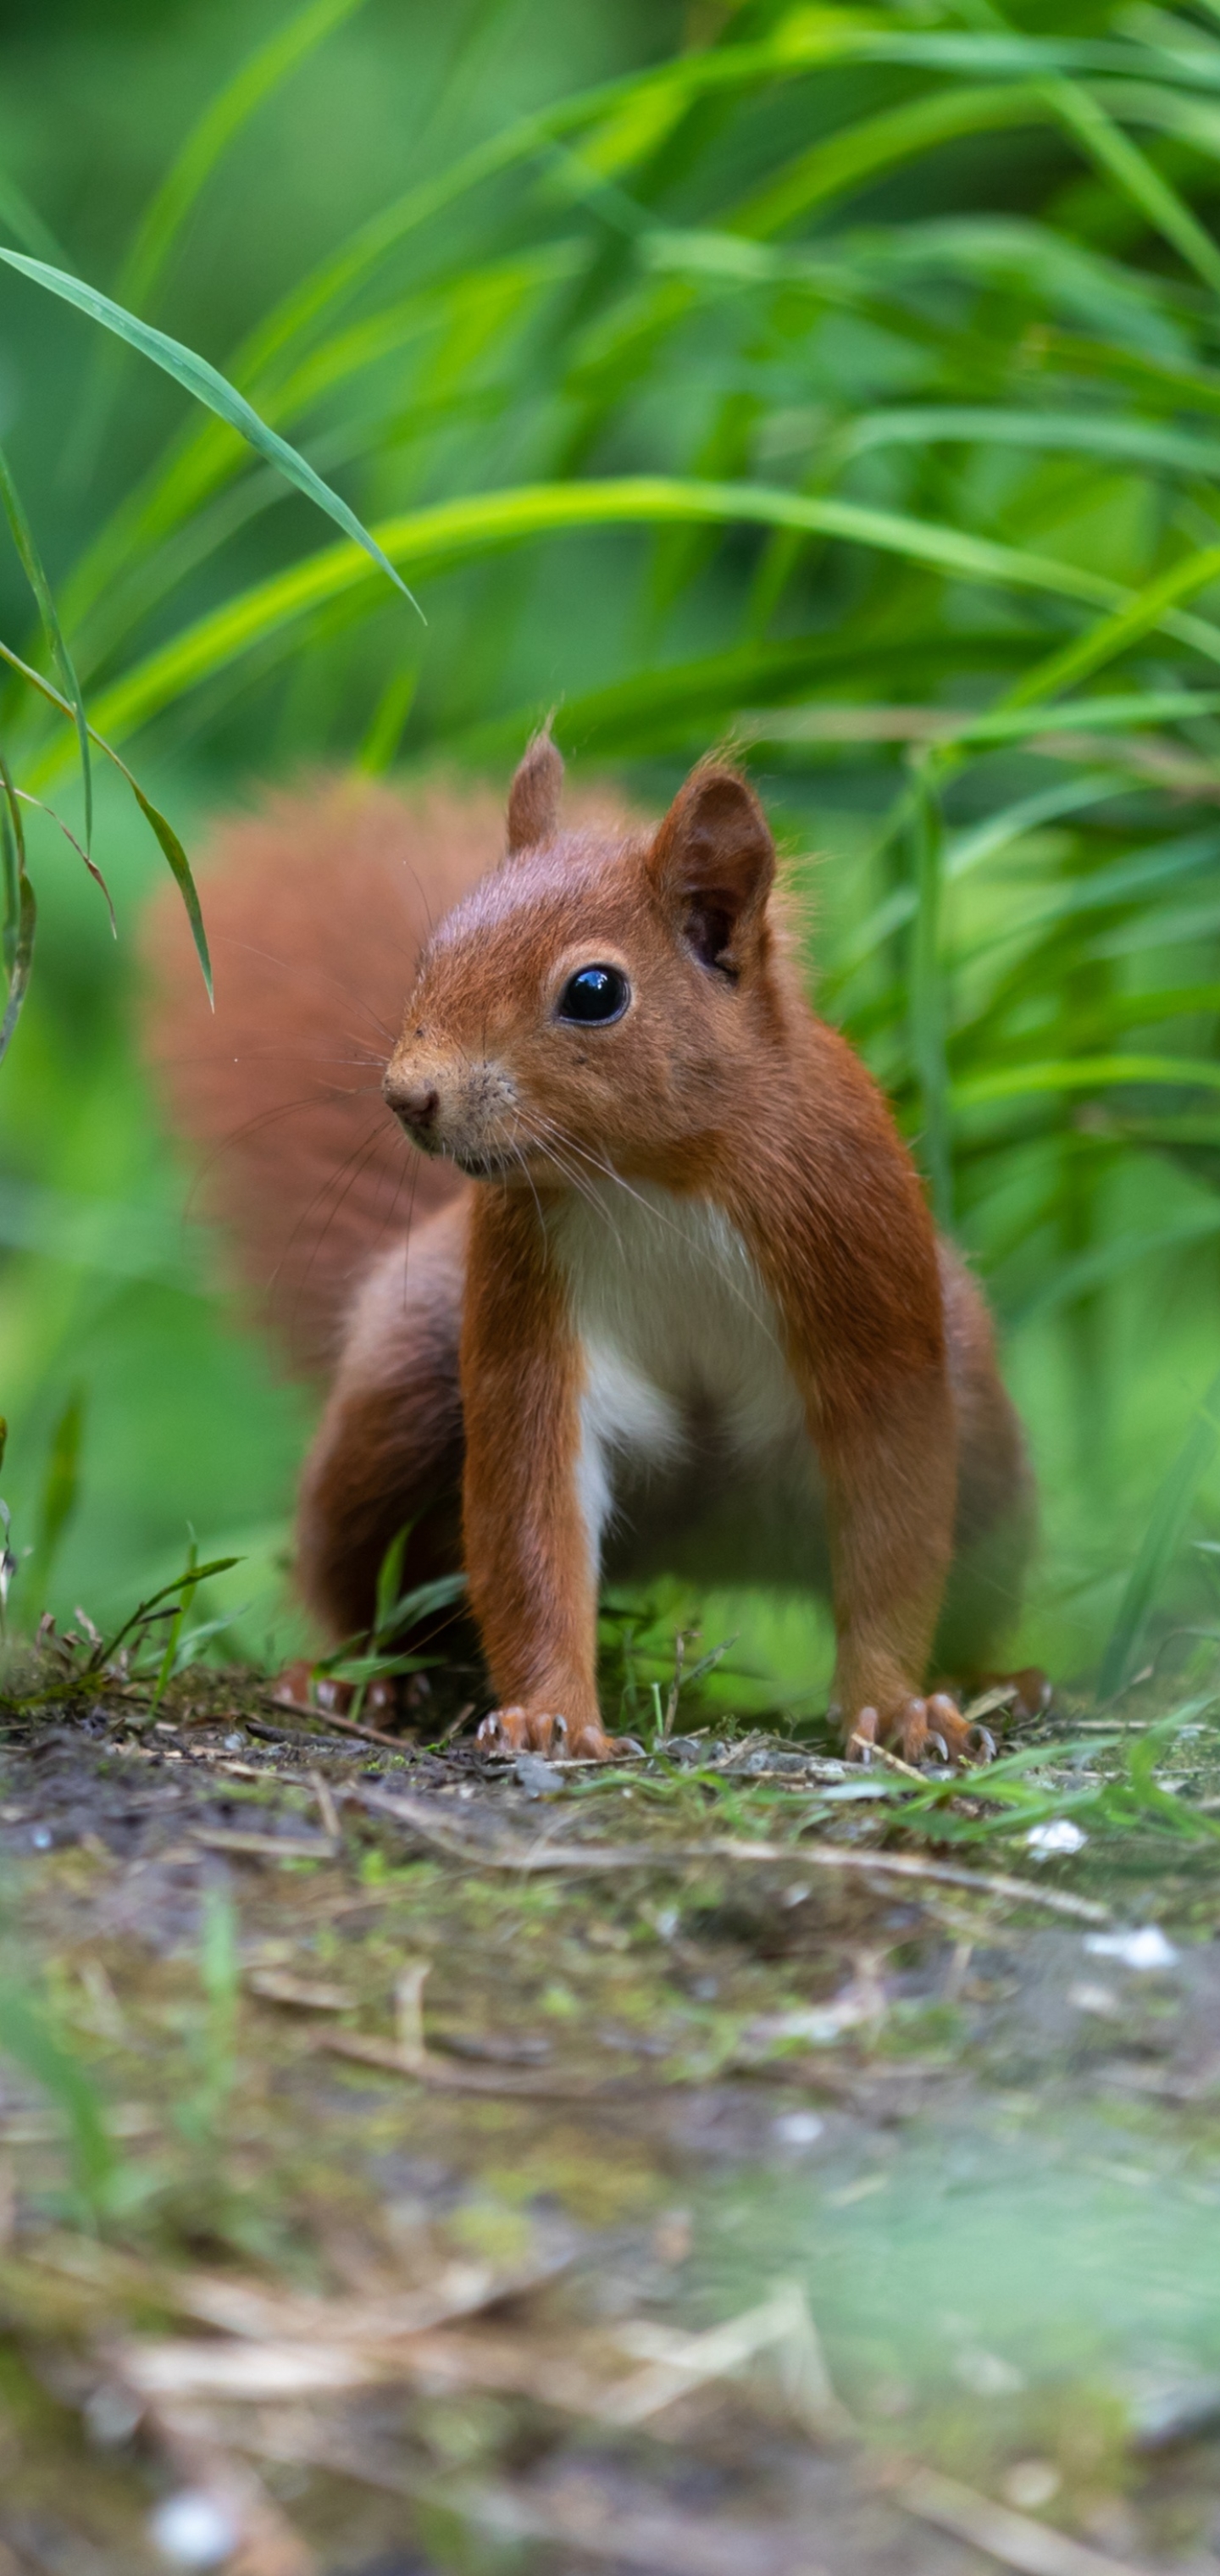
645 1277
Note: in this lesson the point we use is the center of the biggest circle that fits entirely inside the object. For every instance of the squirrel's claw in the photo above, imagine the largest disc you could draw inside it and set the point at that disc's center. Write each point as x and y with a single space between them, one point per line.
921 1728
535 1730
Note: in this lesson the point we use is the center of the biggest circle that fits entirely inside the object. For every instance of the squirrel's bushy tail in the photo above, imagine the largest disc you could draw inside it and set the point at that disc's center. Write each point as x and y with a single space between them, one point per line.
316 908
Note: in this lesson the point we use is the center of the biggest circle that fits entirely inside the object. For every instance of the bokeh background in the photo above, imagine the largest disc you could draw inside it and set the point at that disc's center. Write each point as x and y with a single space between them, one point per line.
885 347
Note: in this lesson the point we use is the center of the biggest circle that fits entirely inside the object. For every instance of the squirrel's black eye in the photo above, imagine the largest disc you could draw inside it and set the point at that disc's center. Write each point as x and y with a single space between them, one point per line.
594 993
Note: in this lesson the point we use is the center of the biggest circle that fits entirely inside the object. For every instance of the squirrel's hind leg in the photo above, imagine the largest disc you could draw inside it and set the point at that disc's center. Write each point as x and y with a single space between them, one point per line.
388 1451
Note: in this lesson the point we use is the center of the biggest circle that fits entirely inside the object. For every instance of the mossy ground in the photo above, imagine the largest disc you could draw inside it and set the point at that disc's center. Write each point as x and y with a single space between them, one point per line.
360 2166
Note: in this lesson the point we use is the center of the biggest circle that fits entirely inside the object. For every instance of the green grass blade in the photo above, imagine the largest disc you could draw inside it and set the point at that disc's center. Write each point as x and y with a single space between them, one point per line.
21 910
1127 441
1117 634
60 1495
847 160
650 99
161 828
455 531
1136 178
208 386
254 81
25 223
1109 1261
1085 1073
1160 1542
28 2038
32 566
179 865
927 1003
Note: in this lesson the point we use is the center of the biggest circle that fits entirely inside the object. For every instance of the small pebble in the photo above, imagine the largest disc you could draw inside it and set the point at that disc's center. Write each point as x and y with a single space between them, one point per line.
1088 1998
1049 1842
797 2128
1029 2484
1147 1949
539 1779
111 2416
192 2530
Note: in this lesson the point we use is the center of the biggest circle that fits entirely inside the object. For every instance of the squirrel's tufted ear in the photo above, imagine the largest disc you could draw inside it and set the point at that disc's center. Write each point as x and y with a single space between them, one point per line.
713 863
533 798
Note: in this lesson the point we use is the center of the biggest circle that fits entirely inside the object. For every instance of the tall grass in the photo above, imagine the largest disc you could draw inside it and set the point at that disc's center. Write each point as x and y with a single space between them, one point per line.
844 384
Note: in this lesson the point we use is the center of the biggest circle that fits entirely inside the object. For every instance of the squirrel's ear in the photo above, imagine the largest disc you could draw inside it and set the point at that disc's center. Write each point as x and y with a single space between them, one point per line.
533 798
713 862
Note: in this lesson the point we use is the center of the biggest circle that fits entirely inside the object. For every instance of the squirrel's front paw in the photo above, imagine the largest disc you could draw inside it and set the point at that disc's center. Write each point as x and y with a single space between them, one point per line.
537 1730
920 1730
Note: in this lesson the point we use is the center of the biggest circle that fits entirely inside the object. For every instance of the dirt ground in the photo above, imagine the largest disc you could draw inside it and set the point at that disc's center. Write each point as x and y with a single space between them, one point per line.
416 2162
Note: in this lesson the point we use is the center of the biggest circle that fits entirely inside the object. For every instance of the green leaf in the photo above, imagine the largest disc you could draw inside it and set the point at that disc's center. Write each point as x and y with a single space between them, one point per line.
208 386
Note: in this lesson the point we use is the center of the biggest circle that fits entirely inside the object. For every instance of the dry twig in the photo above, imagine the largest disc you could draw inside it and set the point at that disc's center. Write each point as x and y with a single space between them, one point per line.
422 1817
1033 2548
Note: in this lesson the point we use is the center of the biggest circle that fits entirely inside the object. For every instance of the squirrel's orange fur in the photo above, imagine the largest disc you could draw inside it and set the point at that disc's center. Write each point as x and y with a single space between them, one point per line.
685 1309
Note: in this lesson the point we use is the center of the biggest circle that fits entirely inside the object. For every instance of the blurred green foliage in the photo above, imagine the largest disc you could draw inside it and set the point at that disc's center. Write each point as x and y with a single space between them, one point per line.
841 382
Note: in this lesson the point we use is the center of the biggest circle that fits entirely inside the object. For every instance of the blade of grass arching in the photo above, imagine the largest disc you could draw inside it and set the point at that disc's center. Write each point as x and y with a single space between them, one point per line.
162 830
1135 176
254 81
406 1612
208 386
1109 1261
105 1652
927 997
798 49
954 730
1160 1542
1114 635
656 708
846 160
121 565
344 271
32 566
20 908
966 850
1135 442
455 531
1085 1073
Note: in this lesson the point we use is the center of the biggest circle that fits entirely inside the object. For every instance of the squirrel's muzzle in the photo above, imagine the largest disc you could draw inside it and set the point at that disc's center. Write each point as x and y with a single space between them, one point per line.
416 1104
467 1109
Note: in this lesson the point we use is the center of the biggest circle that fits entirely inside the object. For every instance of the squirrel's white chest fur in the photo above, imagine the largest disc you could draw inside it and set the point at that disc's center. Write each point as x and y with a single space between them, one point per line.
681 1344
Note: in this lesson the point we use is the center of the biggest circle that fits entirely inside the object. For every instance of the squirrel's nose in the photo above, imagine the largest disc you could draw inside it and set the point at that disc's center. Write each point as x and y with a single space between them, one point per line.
416 1103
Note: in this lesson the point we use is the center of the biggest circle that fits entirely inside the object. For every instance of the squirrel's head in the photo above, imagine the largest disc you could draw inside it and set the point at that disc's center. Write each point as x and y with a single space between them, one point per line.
593 1002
